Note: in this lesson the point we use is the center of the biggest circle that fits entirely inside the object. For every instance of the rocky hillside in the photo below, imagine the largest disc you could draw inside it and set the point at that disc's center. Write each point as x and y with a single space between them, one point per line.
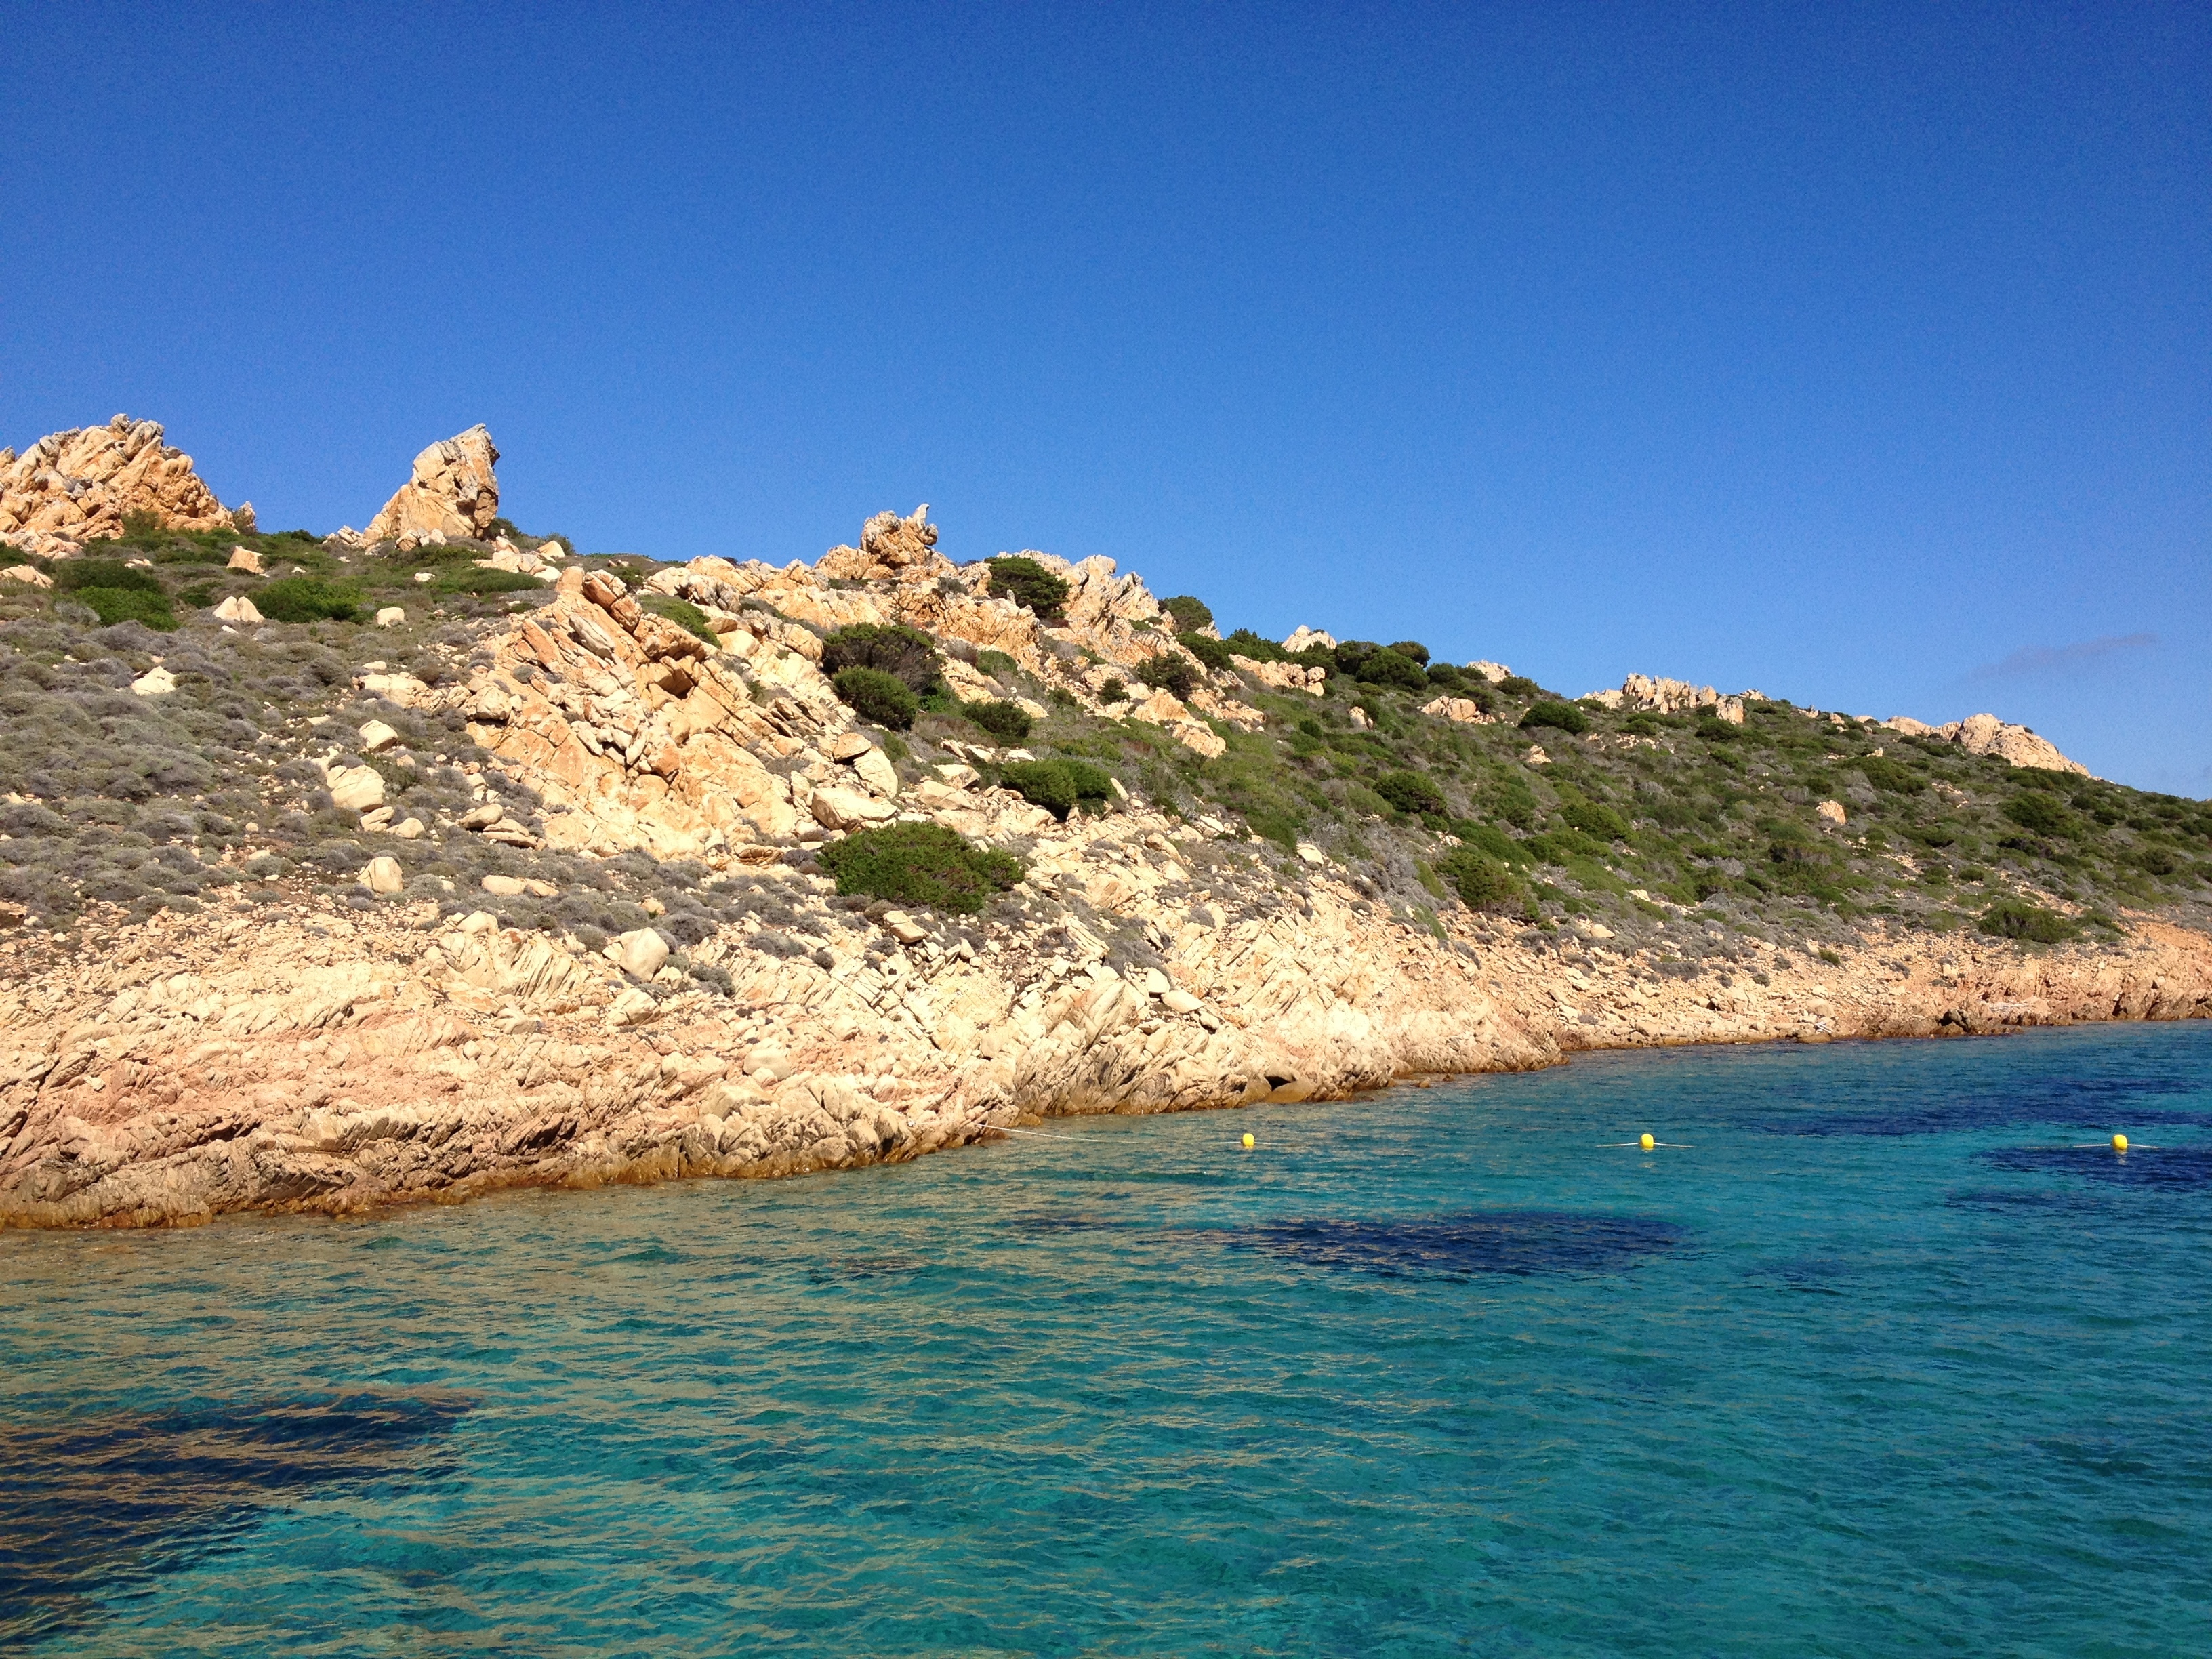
339 872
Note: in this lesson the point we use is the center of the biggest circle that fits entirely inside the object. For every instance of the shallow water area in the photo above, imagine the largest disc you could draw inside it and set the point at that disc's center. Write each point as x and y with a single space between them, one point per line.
1892 1355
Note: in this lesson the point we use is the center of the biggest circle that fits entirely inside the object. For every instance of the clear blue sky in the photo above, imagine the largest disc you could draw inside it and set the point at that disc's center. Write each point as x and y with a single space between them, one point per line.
1859 354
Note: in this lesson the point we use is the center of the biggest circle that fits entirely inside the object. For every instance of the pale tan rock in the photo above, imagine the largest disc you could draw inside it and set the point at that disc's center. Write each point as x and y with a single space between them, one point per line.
481 818
849 809
1832 810
409 828
1666 697
904 928
382 874
355 788
377 818
1461 711
376 736
1358 716
238 608
391 615
643 952
1537 757
958 774
1180 1002
29 575
1493 671
452 493
77 486
1986 735
1303 638
504 886
155 682
889 547
875 770
1284 676
245 559
849 745
1311 854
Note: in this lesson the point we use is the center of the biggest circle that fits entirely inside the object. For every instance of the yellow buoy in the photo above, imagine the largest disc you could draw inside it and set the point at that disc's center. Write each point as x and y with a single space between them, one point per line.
1646 1142
1247 1143
2119 1143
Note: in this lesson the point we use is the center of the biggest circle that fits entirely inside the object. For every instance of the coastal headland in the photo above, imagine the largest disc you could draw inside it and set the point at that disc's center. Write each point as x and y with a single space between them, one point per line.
341 872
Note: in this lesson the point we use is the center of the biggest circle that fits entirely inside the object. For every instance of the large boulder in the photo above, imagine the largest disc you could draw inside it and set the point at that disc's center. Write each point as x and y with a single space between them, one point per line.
77 486
452 493
1665 696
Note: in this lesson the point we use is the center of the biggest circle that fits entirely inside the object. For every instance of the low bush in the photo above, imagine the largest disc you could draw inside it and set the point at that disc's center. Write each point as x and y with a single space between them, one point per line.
879 698
1114 691
1412 650
1891 775
1166 671
996 663
1592 819
2040 812
1560 716
484 580
1207 649
1520 685
310 599
890 648
1391 668
1482 883
1410 791
1190 613
920 863
2017 919
1025 582
1008 722
684 614
1058 785
1244 642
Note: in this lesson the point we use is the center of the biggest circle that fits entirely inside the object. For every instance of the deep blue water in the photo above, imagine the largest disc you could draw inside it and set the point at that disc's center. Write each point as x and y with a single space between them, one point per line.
1895 1358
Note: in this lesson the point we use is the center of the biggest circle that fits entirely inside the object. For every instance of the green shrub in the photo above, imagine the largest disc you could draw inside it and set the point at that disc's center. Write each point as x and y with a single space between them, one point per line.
1410 791
1168 672
1007 722
1412 650
888 648
1350 654
1592 819
75 575
484 579
1560 716
1114 691
1244 642
1509 799
122 604
2037 811
310 599
2016 919
1025 582
1891 775
684 614
997 663
1389 666
1482 883
1520 685
1190 615
879 698
920 863
1207 649
1059 784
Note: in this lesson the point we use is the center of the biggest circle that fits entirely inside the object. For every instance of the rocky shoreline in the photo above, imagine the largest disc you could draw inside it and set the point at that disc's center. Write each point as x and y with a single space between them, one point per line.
322 1061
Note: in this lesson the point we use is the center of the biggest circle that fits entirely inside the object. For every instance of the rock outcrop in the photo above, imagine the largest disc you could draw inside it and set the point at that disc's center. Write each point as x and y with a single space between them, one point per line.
1986 735
70 487
1666 697
452 493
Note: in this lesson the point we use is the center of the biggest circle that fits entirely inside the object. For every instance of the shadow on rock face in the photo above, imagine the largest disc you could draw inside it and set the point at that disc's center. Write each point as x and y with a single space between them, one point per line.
89 1501
1518 1242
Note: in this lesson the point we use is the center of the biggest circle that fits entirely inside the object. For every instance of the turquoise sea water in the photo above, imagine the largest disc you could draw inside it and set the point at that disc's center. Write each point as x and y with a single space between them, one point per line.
1886 1362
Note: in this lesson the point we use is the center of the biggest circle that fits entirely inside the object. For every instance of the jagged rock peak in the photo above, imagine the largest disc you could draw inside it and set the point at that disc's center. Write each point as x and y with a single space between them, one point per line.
1986 735
891 548
452 493
77 486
